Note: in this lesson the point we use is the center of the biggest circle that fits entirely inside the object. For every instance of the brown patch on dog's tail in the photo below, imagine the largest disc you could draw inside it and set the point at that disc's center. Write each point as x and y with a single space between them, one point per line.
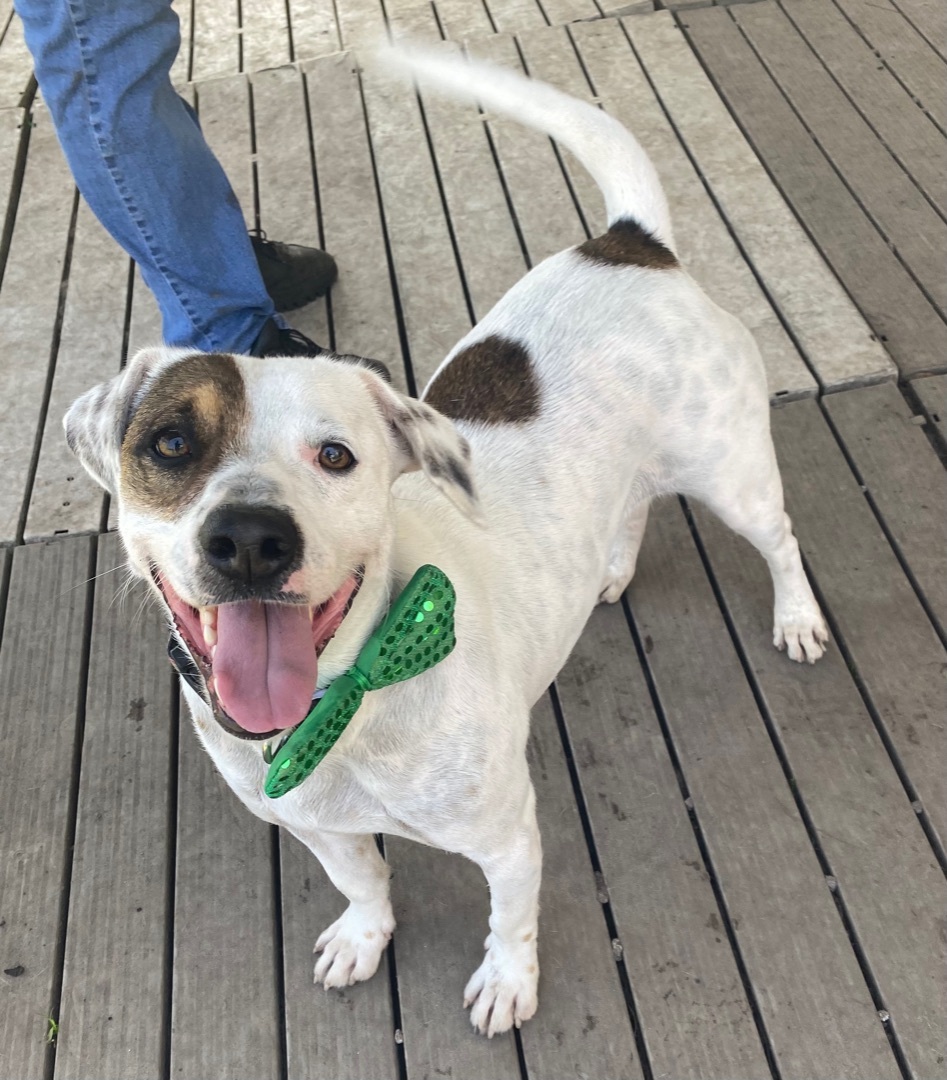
627 243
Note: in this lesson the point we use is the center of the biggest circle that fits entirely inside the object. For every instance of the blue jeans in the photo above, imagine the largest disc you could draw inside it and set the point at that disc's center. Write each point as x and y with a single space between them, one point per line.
141 163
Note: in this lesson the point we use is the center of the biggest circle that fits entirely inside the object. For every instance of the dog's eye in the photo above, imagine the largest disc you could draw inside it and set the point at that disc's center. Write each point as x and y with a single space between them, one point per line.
336 457
171 445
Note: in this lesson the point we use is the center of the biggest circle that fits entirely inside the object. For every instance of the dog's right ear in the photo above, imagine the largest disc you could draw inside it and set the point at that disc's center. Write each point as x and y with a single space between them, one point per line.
423 438
96 423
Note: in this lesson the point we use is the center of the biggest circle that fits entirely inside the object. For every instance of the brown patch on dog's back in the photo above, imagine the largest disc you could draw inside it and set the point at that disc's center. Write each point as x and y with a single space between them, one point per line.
491 381
203 397
629 244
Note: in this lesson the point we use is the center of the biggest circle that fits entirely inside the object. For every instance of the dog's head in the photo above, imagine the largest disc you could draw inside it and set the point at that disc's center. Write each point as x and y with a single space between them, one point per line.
255 496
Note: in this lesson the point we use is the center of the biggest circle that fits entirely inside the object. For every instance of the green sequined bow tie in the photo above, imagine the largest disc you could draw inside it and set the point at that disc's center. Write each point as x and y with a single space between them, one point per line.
418 632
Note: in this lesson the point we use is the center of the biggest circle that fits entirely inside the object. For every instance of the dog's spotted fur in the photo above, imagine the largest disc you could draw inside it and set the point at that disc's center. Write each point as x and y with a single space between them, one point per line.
491 382
203 398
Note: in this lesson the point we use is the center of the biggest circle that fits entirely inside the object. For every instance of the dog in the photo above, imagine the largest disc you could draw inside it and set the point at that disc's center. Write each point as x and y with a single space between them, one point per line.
275 507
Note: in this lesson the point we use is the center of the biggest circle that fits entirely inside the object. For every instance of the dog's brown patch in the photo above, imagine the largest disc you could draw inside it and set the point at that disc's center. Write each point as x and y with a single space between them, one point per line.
491 381
629 244
202 397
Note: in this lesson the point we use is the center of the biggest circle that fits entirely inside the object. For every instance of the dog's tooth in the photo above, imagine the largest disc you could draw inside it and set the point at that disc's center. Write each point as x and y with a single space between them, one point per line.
209 626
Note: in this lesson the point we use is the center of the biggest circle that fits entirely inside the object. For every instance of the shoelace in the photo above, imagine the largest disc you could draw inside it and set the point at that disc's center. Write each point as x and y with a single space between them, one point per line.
294 343
269 248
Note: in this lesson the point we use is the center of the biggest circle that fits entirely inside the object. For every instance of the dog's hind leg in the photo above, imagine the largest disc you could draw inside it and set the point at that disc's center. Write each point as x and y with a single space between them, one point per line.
747 495
623 557
351 947
502 991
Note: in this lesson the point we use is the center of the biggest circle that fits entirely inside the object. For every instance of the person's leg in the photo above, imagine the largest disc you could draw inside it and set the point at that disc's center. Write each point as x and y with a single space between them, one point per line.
143 166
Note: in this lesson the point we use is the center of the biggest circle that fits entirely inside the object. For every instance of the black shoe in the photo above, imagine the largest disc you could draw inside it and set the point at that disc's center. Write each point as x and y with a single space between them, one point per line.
293 275
274 341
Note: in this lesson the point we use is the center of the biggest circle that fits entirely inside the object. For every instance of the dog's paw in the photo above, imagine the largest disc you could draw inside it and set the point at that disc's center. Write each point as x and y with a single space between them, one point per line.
352 946
502 991
804 637
612 591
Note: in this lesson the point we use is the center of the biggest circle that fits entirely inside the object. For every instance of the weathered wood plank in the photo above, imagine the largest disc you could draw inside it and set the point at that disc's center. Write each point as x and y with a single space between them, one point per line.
514 16
933 395
413 19
831 332
223 106
114 1003
878 96
265 34
180 69
361 23
29 303
794 945
891 884
144 325
886 194
885 629
904 477
363 312
16 65
349 1033
441 904
490 253
461 19
927 17
429 283
904 50
545 210
558 12
64 498
314 28
885 293
694 1013
216 39
10 122
703 240
224 930
287 194
41 686
582 1024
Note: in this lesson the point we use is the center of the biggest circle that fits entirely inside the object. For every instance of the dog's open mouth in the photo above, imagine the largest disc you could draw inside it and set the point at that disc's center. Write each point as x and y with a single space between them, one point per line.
259 659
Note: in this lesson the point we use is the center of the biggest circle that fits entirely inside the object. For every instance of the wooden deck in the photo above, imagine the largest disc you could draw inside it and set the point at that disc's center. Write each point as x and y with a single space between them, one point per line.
745 859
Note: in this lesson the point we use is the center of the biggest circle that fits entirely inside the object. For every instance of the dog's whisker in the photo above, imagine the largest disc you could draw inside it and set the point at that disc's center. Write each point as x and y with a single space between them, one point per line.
95 577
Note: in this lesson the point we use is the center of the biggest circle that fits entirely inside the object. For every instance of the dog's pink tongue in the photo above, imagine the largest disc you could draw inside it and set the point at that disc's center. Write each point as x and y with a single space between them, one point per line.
265 665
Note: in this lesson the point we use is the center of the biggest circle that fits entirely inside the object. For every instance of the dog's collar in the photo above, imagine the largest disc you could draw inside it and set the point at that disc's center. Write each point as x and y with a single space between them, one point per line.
417 633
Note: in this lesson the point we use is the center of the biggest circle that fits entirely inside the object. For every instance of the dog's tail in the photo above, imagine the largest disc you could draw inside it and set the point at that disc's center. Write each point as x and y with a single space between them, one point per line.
613 156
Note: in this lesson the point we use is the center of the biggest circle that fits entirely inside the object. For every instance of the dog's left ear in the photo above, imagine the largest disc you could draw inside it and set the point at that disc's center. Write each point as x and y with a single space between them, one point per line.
425 439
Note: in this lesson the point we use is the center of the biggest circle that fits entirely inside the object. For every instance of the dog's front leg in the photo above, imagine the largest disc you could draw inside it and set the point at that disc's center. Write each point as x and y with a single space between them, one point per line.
502 991
351 947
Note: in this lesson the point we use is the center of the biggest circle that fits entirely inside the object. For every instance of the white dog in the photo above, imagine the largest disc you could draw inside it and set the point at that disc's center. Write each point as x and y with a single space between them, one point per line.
276 505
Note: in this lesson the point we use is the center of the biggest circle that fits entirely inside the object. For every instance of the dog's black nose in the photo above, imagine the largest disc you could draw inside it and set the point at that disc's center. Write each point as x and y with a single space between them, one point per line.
250 544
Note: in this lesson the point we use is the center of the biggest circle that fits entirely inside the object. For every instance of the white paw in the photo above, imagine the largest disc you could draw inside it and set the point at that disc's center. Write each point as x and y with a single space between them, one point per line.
502 991
352 946
804 637
612 592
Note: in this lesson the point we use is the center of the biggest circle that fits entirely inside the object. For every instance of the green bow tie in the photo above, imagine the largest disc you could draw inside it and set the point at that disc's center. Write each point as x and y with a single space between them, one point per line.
418 632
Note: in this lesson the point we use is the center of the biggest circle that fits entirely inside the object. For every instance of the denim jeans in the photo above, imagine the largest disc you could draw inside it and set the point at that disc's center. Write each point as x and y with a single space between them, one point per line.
141 163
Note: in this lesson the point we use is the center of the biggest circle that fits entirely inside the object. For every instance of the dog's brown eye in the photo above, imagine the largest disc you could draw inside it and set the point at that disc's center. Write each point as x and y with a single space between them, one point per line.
171 445
336 457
